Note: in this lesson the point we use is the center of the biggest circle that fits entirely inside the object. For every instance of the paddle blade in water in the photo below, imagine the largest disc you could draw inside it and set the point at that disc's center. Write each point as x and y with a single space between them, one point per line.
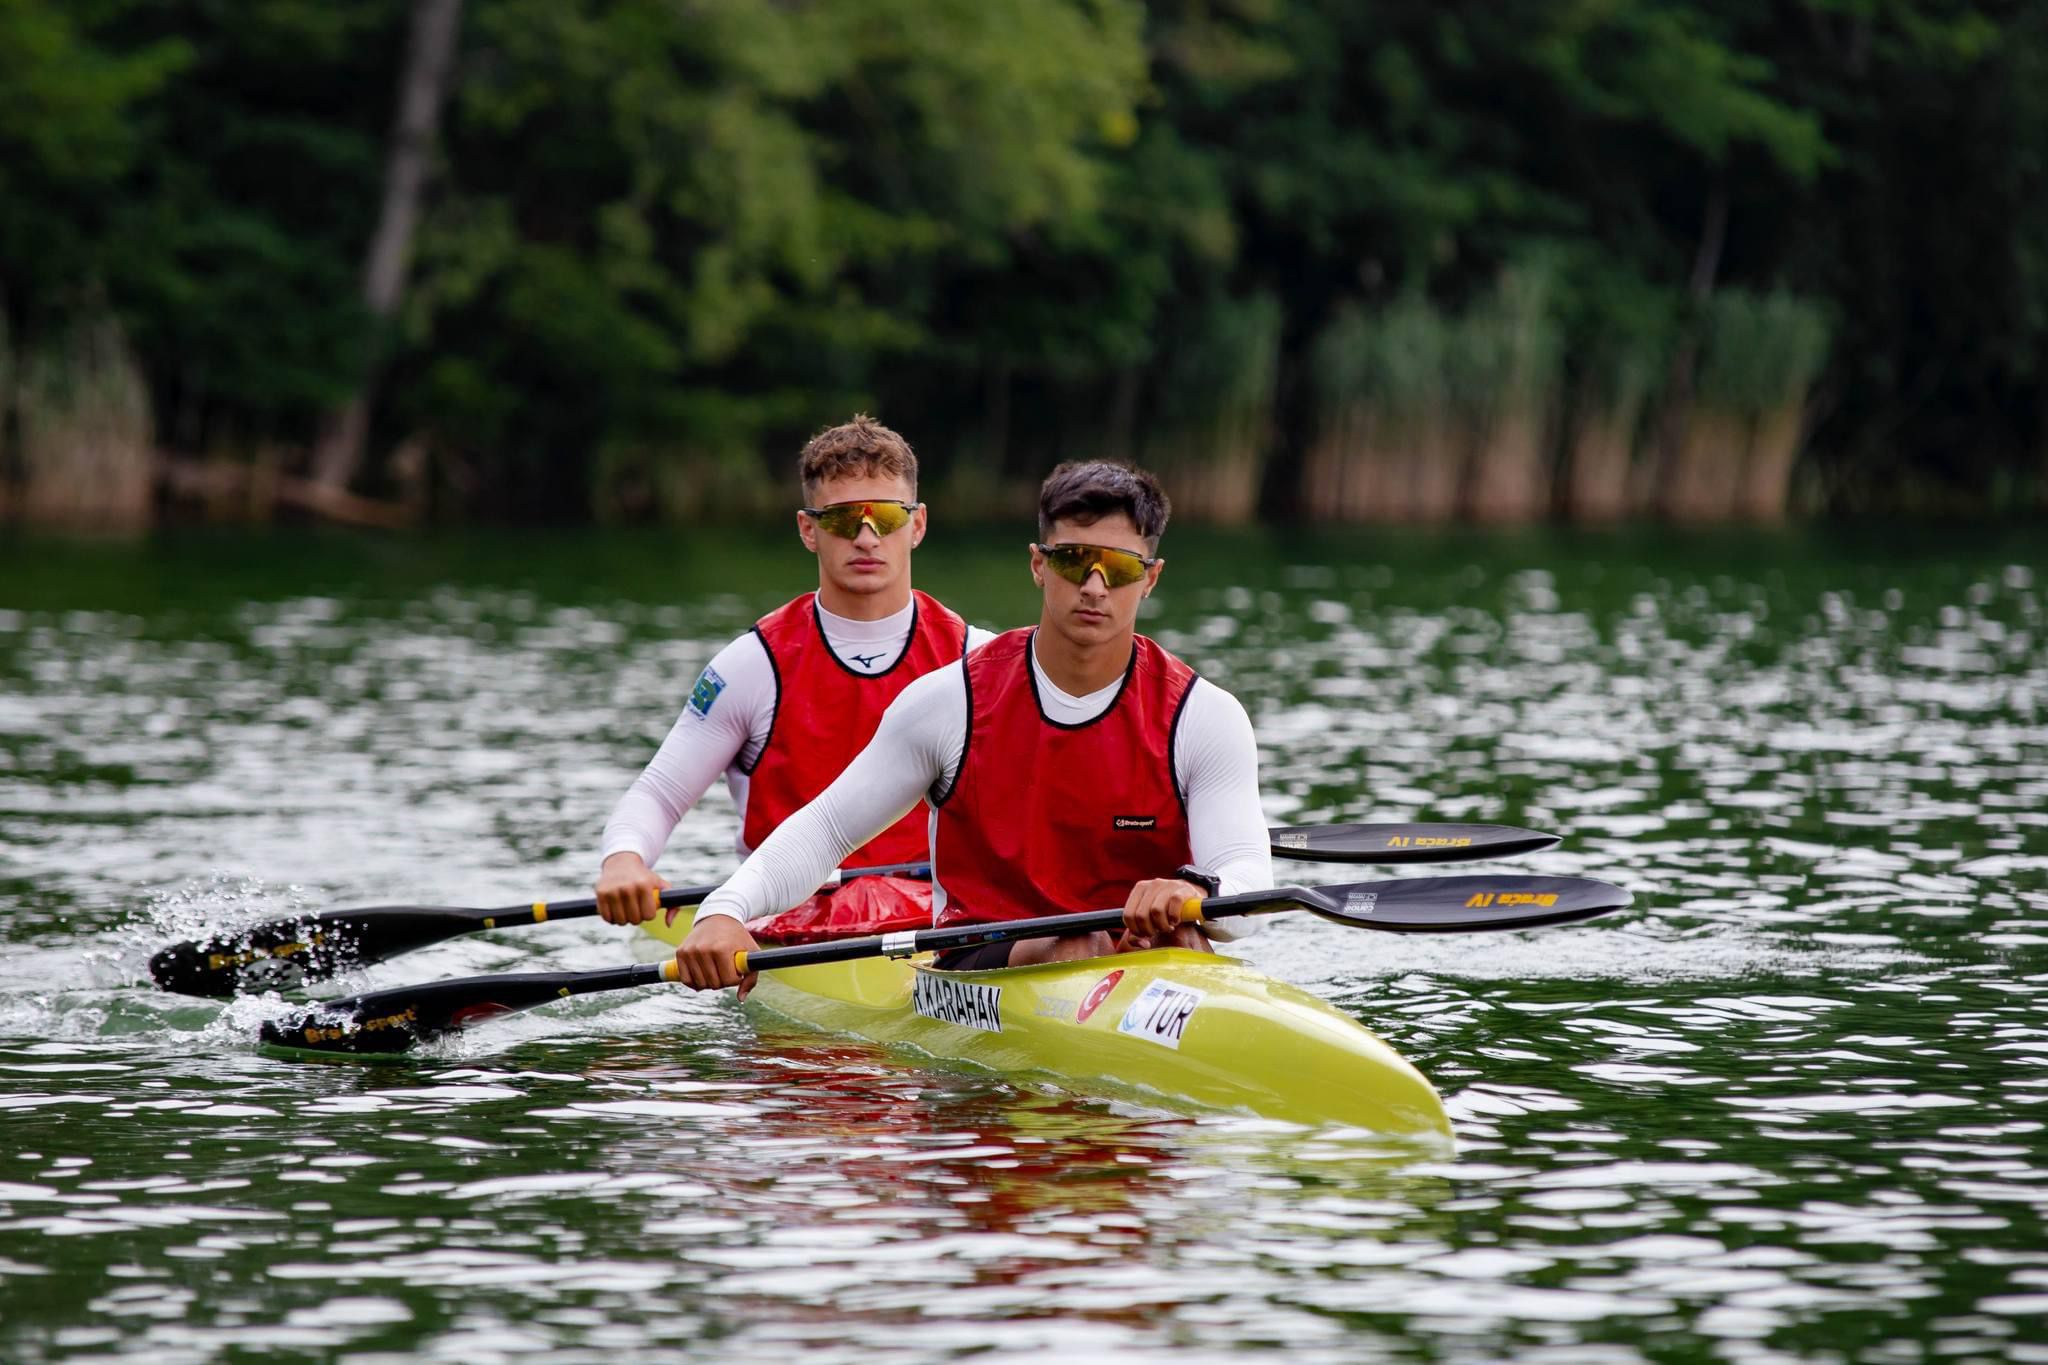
300 948
382 1022
1453 905
1405 843
286 952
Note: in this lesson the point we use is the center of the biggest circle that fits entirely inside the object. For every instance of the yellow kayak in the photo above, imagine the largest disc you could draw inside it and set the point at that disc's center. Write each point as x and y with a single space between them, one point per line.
1176 1028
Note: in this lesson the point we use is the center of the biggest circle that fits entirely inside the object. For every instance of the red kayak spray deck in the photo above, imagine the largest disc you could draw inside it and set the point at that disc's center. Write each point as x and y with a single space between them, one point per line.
863 906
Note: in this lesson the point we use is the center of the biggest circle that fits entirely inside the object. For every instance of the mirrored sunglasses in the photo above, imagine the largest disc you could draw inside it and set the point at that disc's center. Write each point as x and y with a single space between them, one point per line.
844 519
1119 568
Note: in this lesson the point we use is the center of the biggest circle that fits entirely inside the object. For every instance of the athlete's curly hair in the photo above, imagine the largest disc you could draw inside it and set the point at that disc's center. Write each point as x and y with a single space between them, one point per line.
861 446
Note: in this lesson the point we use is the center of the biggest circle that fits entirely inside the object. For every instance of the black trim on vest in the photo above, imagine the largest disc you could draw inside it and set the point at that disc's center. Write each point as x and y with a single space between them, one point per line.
1173 741
966 742
1123 685
774 714
908 641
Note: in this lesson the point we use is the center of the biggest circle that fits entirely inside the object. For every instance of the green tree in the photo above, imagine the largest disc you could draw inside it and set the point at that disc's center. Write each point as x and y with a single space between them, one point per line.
69 138
664 239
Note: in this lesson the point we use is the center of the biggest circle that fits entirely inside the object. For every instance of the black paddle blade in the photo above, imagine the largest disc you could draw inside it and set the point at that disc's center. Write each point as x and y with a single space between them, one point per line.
1454 905
384 1022
285 952
1405 843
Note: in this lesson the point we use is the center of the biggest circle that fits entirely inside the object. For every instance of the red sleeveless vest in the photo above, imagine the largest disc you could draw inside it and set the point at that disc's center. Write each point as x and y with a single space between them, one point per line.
1045 818
825 713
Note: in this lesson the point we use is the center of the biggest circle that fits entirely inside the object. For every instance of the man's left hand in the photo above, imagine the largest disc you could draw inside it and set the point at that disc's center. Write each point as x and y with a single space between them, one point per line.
1153 911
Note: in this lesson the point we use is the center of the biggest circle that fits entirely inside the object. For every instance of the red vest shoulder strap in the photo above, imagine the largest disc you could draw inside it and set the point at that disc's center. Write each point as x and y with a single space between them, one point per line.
947 628
832 709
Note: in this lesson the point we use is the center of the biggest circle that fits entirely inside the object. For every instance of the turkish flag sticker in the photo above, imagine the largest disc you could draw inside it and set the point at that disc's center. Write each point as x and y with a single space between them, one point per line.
1096 996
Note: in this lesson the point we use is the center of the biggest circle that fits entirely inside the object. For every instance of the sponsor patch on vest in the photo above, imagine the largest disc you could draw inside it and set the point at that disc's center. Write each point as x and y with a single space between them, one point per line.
1161 1012
1135 822
705 694
951 1001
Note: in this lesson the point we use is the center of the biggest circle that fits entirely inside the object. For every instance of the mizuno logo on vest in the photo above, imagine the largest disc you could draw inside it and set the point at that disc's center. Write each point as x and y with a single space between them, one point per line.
1135 822
864 660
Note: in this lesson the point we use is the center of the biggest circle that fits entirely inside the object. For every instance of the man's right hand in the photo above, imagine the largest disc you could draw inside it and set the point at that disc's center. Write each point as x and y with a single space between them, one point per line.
706 957
628 891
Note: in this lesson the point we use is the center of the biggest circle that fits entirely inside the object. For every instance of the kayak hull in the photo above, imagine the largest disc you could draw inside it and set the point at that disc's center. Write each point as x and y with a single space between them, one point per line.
1180 1029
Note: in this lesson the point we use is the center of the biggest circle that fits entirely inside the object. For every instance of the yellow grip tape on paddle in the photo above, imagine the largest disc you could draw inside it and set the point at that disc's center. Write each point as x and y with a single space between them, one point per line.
739 962
1191 910
671 970
540 912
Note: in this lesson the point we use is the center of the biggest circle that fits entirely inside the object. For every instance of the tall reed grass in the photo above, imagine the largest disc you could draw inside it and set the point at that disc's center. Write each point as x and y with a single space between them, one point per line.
1214 418
1798 336
1621 368
86 433
1382 451
1740 434
1424 417
1507 363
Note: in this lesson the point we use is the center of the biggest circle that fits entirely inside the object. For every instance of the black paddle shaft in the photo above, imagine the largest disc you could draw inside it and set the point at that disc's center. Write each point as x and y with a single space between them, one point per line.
394 1020
286 952
1415 905
299 948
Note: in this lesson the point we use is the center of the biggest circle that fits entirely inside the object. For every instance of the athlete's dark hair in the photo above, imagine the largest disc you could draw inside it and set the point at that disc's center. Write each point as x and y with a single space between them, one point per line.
1089 490
862 446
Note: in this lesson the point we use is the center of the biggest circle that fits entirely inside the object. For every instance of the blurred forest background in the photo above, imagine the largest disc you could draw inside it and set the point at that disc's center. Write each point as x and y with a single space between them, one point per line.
1374 260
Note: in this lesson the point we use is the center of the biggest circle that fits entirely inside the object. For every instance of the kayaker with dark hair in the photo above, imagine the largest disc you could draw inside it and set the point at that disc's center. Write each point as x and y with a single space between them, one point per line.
1070 766
783 708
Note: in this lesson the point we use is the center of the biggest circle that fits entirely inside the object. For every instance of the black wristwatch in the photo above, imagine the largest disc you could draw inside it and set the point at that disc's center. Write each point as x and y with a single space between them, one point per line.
1210 883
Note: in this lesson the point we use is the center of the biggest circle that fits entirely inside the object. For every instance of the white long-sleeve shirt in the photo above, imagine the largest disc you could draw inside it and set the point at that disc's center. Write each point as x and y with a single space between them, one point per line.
916 753
727 721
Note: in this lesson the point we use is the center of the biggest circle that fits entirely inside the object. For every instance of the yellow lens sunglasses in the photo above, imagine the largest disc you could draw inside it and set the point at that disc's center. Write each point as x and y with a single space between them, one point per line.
844 519
1119 568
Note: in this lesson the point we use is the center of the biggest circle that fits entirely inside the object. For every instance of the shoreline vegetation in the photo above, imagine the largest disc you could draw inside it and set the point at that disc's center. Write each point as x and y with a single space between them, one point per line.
429 262
1419 417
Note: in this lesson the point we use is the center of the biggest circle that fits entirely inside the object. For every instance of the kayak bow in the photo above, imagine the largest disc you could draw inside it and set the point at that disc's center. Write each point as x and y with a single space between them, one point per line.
1169 1027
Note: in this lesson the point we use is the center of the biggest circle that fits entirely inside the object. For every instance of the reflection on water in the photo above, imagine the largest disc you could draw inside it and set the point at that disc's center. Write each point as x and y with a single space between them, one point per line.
1790 1107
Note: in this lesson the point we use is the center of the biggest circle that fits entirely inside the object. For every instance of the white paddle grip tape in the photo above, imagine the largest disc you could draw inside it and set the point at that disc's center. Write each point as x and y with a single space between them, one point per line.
902 943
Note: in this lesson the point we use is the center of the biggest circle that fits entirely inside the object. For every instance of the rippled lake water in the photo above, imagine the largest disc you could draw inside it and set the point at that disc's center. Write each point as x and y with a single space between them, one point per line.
1790 1107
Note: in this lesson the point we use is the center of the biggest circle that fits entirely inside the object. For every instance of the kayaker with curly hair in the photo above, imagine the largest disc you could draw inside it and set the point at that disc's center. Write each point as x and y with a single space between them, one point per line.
781 710
1073 765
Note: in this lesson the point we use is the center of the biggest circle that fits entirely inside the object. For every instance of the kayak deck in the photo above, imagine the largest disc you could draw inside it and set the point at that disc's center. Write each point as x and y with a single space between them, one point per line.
1183 1029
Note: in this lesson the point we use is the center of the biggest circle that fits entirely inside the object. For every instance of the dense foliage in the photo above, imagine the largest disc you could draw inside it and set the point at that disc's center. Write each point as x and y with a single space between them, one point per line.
1411 258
